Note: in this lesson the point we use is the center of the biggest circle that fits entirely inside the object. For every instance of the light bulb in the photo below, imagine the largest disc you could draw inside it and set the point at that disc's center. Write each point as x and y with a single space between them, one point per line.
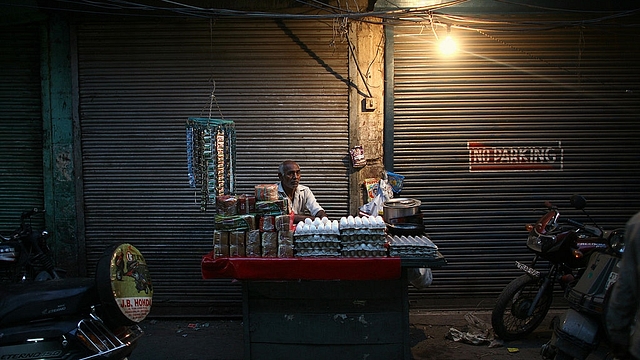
448 46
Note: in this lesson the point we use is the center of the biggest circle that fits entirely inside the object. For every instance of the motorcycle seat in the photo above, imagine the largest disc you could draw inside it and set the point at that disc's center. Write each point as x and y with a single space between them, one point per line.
25 302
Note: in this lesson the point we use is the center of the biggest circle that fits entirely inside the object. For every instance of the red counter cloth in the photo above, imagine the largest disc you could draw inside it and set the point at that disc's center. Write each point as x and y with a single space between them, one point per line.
301 268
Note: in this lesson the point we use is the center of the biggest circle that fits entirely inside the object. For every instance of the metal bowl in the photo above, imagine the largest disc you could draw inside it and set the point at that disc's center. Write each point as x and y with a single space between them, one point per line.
400 207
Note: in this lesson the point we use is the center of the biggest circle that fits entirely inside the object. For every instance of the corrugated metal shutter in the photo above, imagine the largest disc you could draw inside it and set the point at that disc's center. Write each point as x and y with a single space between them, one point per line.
284 85
21 178
579 89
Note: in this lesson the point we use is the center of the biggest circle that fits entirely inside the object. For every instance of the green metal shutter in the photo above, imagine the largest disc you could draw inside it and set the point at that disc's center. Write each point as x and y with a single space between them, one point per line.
21 177
577 90
283 84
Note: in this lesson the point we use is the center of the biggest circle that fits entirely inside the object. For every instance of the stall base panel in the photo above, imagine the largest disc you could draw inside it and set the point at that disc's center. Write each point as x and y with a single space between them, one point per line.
329 329
261 351
326 319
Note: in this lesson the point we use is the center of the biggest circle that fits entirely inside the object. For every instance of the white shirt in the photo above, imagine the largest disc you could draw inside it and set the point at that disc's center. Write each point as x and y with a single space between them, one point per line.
303 200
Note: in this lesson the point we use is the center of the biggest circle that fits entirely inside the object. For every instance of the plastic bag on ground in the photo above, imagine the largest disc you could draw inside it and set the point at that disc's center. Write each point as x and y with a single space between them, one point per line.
421 278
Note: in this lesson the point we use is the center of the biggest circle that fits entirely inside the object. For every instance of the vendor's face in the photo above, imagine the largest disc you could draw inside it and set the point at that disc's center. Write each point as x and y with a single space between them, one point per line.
291 177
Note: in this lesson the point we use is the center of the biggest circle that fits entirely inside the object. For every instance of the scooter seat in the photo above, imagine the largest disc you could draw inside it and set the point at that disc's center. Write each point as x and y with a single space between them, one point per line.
21 303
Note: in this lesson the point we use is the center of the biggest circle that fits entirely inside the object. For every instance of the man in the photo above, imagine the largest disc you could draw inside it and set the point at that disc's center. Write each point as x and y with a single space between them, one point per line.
624 305
301 199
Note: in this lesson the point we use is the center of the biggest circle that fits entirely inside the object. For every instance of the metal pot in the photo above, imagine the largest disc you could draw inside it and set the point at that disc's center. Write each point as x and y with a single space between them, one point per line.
400 207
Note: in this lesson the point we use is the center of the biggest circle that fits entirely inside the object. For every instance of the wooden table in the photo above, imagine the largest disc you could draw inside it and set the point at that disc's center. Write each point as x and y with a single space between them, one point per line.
322 308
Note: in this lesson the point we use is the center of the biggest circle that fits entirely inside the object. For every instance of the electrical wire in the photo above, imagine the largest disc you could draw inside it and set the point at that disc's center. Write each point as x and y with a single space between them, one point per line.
437 12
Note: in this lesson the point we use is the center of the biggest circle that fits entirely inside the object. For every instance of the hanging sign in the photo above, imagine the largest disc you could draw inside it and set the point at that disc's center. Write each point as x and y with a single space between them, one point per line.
515 156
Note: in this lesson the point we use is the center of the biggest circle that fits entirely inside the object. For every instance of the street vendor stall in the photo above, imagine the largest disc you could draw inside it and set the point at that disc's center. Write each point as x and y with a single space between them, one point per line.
317 307
318 289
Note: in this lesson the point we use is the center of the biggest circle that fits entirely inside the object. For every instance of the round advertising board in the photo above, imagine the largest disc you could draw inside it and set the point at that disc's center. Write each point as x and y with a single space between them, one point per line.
124 283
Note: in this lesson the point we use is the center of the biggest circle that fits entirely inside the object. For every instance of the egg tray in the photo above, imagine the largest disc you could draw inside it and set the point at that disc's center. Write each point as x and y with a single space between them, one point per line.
359 238
317 245
316 238
364 253
316 253
412 246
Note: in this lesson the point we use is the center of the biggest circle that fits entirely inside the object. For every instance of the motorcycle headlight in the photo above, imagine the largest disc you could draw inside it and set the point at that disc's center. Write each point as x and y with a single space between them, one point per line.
616 240
537 242
533 242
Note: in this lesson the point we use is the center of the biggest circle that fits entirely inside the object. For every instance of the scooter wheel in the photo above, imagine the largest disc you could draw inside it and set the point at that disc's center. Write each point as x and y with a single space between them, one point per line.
510 317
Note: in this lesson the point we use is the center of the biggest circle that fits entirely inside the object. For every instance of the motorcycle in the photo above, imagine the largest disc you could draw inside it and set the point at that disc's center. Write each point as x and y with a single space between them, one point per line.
565 244
578 331
74 318
25 255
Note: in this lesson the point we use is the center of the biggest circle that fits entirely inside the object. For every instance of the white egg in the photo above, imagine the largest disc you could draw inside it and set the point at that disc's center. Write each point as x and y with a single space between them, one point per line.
306 229
335 227
299 228
317 222
365 222
351 221
343 222
321 228
358 222
308 221
325 220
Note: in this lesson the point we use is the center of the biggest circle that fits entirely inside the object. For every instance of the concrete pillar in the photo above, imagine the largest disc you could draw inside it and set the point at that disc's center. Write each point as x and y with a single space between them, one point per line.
366 103
58 155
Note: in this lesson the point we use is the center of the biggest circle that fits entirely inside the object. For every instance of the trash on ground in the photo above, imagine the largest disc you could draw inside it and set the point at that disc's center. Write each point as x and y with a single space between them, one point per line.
476 332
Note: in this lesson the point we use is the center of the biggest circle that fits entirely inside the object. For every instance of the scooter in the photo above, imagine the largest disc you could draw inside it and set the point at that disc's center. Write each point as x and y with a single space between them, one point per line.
76 318
578 331
566 245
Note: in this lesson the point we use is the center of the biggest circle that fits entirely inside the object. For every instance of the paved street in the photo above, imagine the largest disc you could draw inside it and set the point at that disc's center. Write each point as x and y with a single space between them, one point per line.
222 340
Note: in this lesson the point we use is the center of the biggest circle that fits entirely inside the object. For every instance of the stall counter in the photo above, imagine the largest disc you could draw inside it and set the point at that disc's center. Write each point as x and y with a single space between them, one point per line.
322 308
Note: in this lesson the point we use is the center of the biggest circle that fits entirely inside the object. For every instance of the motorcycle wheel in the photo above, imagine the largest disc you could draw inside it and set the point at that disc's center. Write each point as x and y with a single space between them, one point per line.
509 317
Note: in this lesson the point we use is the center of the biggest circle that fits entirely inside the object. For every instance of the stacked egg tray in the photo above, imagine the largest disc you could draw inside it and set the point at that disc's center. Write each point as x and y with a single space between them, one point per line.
351 237
412 246
320 237
363 236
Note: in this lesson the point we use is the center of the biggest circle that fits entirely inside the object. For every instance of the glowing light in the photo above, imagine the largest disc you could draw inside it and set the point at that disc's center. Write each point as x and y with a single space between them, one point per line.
448 46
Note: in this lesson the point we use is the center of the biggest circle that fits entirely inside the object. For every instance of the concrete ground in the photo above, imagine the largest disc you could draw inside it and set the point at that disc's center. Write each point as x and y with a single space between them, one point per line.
223 340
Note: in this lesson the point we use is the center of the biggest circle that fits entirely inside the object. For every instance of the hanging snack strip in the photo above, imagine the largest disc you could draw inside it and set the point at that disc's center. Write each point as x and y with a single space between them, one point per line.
211 157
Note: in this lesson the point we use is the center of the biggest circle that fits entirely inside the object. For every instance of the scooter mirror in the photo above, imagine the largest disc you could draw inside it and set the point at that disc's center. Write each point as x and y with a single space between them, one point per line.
578 202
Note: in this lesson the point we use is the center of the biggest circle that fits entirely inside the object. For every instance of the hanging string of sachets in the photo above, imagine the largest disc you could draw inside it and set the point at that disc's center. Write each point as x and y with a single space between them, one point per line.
211 157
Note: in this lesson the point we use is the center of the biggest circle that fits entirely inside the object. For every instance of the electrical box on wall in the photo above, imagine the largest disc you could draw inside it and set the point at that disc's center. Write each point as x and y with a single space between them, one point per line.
368 104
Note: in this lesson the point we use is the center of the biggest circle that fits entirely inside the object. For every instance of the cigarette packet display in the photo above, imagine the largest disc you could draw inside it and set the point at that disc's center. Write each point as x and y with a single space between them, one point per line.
271 207
246 204
267 223
236 243
285 237
266 192
285 251
226 205
237 222
269 244
284 222
285 244
253 241
221 243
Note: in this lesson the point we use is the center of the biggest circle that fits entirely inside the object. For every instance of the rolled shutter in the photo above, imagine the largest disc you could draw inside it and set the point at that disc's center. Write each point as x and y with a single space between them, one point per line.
576 89
21 134
283 84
